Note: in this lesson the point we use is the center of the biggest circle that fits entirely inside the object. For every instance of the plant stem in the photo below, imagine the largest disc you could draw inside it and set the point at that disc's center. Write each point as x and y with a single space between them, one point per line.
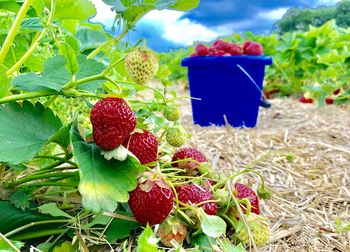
42 176
40 184
108 43
38 234
34 45
32 224
13 30
56 158
28 95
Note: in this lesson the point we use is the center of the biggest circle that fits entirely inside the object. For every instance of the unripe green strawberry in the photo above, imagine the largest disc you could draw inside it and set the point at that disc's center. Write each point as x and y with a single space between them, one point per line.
176 136
141 64
172 113
259 228
172 230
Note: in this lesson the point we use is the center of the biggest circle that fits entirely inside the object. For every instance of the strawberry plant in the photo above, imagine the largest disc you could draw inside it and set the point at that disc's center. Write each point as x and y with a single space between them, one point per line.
87 140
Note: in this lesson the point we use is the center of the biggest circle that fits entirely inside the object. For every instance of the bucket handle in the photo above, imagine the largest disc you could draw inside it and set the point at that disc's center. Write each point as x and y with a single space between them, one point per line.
251 79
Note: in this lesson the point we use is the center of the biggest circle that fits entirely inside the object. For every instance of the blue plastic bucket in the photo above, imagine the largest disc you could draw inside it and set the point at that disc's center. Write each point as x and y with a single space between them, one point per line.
229 86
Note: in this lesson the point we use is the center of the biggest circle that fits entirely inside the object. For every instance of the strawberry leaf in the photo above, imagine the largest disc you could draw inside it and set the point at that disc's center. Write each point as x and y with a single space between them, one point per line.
147 241
25 129
20 199
103 183
212 225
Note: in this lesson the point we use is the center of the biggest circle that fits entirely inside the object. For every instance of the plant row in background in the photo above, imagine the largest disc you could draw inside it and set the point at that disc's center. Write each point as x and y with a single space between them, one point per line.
312 64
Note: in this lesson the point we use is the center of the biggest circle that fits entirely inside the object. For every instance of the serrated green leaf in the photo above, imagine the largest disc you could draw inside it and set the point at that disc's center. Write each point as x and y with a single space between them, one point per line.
204 242
12 217
147 242
73 9
71 59
90 39
53 210
52 78
62 136
103 183
185 5
25 130
33 24
89 67
20 199
212 225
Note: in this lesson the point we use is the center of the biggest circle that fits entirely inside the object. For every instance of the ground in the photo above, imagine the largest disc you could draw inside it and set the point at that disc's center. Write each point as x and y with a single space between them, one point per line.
304 154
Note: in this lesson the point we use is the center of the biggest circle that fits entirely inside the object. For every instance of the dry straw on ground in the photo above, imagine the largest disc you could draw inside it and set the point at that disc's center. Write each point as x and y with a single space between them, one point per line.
304 154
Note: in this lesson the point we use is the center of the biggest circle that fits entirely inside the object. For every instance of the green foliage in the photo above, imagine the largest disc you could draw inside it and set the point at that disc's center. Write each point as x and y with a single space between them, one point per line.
212 225
300 19
103 183
25 130
20 199
8 245
147 242
12 217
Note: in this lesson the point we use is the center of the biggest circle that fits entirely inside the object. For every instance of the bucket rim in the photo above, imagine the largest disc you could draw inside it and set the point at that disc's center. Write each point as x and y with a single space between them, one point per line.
226 60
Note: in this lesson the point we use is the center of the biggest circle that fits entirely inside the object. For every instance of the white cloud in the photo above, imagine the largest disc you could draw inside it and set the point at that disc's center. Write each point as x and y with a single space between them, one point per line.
275 14
176 29
328 2
103 12
179 30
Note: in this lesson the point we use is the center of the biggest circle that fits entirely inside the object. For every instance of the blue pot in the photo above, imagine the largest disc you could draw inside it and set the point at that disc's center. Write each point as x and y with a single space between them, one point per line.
228 86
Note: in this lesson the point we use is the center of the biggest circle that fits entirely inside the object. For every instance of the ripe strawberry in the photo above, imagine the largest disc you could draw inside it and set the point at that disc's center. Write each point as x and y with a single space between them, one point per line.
143 145
141 64
196 194
176 136
252 48
152 201
172 113
112 122
329 100
190 166
259 228
202 50
242 191
219 53
336 92
194 54
306 100
220 45
170 230
235 49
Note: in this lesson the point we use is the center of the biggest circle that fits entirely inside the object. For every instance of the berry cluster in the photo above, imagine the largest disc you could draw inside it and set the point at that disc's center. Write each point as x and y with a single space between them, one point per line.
223 48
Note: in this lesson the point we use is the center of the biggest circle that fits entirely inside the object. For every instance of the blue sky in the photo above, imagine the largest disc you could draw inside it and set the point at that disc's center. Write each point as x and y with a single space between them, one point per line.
212 19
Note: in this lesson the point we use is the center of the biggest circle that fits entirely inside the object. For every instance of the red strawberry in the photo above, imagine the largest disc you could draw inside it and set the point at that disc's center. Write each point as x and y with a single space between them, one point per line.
252 48
235 49
329 100
112 122
143 145
194 54
242 191
211 51
306 100
336 92
196 194
151 202
246 45
202 50
219 53
220 45
186 153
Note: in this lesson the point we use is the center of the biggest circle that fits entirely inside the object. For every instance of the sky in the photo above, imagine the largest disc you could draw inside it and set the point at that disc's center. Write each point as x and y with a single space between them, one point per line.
212 19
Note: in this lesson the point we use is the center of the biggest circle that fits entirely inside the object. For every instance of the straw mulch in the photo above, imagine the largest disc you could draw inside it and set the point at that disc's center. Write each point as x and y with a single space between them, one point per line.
304 154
